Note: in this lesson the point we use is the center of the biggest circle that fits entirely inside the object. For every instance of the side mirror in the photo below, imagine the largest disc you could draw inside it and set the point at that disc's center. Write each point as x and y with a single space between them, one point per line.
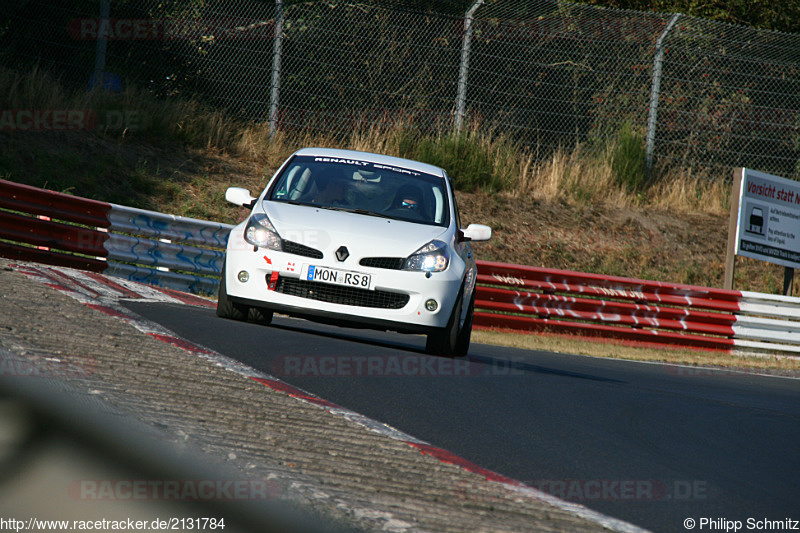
240 197
476 232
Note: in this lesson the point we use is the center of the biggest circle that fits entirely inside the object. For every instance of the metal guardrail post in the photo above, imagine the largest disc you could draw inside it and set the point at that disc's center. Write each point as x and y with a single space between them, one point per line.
463 69
654 93
276 67
102 45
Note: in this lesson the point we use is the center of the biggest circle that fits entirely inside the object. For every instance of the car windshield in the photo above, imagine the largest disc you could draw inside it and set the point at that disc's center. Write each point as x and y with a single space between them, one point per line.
363 187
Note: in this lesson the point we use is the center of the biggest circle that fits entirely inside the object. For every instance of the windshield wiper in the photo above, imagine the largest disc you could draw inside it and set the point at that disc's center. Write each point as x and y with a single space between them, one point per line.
357 211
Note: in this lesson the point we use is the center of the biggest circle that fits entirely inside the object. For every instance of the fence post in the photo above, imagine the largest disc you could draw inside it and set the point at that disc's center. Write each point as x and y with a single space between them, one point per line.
733 224
102 44
654 93
463 69
276 68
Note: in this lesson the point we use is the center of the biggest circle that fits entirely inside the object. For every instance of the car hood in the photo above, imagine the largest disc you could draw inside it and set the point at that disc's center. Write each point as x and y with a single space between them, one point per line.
363 235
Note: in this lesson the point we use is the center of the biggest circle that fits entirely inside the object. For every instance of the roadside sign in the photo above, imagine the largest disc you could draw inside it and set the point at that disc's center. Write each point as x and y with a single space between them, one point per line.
769 219
765 220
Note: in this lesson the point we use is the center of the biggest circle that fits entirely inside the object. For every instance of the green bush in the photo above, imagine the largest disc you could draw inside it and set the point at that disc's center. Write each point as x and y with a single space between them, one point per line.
469 160
628 159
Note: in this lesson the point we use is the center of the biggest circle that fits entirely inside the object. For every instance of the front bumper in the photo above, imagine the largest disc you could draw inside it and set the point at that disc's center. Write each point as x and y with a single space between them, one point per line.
396 301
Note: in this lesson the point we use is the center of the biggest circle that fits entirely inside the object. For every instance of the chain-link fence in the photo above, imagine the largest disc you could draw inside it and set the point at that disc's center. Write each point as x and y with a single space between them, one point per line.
703 95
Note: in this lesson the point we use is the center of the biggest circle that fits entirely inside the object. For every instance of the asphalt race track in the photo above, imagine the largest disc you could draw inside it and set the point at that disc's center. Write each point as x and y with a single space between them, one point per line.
650 444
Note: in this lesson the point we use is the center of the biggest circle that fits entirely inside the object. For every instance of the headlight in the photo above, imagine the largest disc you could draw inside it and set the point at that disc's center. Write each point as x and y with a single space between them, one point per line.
260 232
433 257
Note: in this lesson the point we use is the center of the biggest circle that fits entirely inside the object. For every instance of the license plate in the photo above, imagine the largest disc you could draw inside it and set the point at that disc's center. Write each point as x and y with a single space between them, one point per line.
337 277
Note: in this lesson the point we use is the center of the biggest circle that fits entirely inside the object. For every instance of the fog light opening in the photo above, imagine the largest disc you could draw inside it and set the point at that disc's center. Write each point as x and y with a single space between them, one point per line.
431 305
243 276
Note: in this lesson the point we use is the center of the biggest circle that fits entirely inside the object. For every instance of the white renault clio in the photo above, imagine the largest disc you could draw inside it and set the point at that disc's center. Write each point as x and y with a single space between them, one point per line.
355 239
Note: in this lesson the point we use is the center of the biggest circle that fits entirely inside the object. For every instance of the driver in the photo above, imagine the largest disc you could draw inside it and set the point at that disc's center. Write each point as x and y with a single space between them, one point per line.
408 197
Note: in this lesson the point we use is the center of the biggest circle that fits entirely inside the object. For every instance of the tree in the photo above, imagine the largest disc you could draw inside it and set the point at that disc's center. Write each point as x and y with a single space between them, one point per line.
761 14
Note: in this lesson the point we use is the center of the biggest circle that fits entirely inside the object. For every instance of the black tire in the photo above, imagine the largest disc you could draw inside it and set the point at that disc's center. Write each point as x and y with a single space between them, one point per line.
227 308
260 316
465 335
452 341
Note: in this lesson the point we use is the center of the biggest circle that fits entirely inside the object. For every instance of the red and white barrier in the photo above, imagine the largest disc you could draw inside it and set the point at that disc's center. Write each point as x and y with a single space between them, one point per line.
187 254
528 298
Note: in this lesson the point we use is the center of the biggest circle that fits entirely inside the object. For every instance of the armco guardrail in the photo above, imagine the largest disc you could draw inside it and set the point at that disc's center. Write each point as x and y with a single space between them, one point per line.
187 254
535 299
165 250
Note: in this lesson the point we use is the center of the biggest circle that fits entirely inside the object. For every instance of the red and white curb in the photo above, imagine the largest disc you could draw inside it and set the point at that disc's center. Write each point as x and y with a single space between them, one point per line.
104 294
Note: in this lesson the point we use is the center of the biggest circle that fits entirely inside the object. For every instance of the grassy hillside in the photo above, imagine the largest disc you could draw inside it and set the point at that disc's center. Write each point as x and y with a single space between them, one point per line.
586 208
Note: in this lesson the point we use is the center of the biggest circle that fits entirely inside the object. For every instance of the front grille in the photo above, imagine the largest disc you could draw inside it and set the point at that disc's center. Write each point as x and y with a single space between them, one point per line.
390 263
301 249
338 294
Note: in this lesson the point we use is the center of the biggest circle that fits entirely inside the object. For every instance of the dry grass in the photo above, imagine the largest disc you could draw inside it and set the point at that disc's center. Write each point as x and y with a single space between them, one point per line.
696 194
577 175
771 364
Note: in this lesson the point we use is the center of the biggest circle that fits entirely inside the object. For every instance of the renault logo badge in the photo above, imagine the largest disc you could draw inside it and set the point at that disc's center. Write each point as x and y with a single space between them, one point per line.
342 253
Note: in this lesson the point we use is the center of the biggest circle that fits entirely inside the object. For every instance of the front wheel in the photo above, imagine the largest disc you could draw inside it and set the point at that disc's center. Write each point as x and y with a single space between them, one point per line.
465 335
453 340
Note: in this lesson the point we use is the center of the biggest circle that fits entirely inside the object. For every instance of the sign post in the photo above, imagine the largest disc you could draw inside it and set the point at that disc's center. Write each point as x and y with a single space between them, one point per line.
764 223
